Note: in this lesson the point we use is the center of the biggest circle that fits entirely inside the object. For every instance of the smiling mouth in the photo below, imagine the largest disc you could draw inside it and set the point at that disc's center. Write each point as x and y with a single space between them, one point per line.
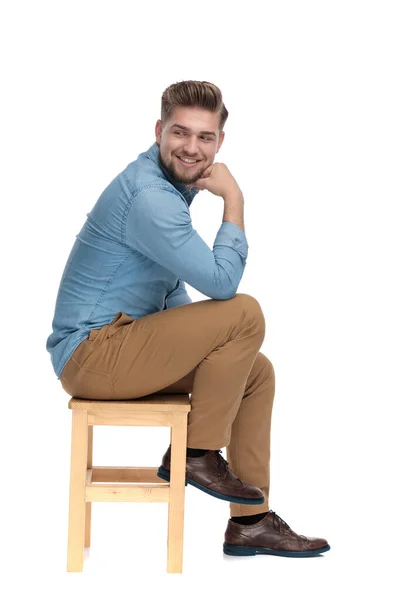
188 164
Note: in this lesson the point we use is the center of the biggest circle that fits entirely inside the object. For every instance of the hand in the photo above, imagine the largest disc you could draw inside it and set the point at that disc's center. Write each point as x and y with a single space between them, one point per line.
218 180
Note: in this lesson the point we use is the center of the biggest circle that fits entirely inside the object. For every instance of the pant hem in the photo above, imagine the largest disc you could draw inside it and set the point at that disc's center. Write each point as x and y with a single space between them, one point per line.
206 445
247 510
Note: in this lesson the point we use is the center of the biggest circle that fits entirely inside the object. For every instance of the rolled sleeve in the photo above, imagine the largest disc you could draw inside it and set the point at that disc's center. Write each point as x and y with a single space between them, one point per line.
233 236
159 226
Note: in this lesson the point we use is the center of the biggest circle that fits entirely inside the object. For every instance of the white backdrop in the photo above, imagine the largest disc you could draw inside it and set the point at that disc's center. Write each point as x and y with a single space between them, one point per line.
312 137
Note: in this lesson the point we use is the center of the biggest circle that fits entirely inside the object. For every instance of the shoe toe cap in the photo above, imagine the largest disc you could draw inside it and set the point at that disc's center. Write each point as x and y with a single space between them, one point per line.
313 543
254 492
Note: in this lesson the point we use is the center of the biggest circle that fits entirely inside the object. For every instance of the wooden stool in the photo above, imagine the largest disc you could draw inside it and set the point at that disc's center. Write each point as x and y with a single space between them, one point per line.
140 484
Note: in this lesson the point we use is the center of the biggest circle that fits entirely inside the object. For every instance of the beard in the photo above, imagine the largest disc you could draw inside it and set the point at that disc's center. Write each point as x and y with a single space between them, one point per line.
180 176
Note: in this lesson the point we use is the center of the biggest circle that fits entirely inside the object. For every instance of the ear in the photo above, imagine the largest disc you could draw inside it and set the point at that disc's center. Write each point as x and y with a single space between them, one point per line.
158 131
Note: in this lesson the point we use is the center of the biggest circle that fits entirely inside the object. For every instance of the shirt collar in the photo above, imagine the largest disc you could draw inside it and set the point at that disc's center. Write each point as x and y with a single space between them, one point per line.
154 153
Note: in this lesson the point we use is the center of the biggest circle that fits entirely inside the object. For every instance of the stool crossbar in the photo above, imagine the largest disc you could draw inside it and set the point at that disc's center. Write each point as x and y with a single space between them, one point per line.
90 483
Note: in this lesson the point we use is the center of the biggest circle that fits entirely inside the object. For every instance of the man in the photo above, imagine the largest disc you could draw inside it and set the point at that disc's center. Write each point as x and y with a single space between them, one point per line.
124 326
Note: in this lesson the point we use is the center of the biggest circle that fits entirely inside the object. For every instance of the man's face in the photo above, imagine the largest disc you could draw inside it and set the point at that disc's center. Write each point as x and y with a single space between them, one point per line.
192 133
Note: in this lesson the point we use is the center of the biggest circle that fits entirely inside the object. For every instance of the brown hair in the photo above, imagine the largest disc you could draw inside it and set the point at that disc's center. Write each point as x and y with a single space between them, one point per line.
193 93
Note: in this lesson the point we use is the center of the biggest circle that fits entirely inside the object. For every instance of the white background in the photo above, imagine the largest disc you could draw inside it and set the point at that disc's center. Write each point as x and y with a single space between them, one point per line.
312 137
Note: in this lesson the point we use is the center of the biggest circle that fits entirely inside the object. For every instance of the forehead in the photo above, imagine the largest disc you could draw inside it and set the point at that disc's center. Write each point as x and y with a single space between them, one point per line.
194 118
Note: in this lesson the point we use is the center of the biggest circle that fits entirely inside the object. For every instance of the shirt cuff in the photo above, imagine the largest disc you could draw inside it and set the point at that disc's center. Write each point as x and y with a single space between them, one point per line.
230 234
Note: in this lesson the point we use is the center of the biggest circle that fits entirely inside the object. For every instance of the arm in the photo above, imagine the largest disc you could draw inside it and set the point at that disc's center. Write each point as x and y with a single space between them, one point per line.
159 226
178 296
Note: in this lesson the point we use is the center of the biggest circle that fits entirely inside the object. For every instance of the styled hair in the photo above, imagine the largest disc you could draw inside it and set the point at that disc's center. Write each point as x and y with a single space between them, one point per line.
202 94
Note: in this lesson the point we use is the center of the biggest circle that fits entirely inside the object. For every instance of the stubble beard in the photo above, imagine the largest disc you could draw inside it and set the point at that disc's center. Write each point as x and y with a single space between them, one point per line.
177 176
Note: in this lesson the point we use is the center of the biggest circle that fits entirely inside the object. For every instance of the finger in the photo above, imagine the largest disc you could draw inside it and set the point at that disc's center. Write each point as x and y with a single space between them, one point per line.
206 172
202 178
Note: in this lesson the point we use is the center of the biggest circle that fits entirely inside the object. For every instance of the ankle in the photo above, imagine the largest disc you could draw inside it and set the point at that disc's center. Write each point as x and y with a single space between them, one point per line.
249 519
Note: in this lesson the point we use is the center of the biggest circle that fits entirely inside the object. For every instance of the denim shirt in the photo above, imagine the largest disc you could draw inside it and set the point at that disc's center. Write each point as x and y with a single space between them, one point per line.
134 253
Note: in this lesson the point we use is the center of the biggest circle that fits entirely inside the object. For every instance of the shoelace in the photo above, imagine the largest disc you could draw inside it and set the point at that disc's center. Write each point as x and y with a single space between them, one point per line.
277 522
222 465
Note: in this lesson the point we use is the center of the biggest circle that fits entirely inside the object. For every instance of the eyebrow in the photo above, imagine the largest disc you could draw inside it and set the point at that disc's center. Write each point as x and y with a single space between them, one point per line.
188 129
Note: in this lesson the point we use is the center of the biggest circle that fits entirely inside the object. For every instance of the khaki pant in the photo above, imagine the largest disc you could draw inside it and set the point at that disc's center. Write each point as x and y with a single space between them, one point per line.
209 349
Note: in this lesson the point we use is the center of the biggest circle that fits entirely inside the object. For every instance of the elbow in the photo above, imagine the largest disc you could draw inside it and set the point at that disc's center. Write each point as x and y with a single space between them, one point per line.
229 296
224 294
222 286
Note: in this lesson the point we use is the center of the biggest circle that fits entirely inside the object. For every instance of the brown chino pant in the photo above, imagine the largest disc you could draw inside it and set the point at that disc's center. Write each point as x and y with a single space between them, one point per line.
209 349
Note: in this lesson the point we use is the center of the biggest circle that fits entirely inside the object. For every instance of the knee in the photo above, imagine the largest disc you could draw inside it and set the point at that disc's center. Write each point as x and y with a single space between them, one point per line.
252 309
264 370
249 303
267 366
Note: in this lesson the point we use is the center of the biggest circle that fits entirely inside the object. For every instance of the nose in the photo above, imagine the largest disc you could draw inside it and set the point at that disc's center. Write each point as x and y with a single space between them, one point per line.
190 147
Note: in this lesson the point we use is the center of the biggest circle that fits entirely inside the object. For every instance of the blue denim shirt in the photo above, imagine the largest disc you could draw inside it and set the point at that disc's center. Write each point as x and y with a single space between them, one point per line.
134 253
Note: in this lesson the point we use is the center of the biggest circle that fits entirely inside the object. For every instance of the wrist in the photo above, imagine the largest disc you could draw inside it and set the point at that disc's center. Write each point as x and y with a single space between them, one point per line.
233 195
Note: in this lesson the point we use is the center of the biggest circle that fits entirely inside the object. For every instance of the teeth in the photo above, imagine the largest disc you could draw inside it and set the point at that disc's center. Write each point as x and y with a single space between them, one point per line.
188 160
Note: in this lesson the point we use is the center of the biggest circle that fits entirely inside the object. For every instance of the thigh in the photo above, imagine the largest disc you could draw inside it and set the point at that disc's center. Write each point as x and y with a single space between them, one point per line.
160 352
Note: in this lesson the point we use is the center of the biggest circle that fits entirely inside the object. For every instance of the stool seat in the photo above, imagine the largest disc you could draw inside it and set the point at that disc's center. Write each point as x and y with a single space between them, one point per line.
160 402
126 484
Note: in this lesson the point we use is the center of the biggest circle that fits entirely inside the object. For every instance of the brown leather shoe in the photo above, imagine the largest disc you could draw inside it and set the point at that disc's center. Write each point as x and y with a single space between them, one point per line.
211 474
271 535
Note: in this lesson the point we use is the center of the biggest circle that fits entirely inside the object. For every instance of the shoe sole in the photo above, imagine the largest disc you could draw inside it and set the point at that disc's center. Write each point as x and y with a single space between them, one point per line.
233 550
165 474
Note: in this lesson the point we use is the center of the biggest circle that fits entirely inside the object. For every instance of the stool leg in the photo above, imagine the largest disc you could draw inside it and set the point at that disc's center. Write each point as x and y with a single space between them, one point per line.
88 517
176 504
76 521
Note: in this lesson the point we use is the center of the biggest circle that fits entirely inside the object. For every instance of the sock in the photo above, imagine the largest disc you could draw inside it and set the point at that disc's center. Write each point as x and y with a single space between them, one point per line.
195 452
249 519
